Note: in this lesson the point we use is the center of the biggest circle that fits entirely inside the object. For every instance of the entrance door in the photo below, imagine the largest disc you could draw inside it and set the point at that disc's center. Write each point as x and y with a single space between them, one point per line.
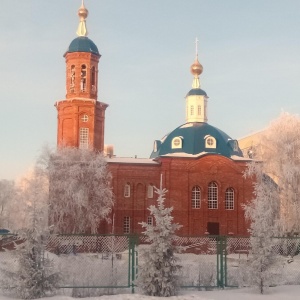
213 228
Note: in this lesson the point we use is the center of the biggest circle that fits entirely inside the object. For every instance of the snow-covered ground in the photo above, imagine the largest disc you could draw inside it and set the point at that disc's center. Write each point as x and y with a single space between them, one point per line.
274 293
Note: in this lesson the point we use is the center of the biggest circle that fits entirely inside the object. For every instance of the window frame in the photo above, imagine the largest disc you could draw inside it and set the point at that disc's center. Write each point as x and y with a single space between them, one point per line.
127 190
212 196
150 220
83 138
229 199
150 191
126 225
196 197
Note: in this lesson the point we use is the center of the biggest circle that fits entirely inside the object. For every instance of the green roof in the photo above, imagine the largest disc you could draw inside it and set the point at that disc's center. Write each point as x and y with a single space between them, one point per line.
196 92
193 136
83 44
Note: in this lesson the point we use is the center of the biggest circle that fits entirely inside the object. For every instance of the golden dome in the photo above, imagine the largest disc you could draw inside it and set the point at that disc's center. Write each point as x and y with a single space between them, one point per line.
83 12
196 68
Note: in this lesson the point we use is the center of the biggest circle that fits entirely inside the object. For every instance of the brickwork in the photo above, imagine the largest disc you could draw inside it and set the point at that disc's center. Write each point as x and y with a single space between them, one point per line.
81 109
179 177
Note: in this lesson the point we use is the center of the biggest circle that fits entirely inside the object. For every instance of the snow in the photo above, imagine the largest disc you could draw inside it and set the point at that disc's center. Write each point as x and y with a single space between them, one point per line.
274 293
131 160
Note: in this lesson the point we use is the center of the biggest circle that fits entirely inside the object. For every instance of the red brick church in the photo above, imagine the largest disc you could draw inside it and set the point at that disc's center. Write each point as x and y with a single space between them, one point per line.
201 166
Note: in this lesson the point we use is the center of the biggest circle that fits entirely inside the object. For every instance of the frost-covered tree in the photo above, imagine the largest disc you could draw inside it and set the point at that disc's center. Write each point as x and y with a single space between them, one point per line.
80 193
8 194
35 276
263 212
159 273
279 150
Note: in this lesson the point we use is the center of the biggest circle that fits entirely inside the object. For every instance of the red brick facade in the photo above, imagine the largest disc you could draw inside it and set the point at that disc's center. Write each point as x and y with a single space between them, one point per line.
81 108
180 175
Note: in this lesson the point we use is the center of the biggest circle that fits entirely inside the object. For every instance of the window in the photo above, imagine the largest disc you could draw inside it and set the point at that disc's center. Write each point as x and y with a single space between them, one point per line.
229 199
83 138
212 196
196 197
192 110
127 190
150 191
199 110
126 225
72 79
210 142
93 79
84 118
150 220
83 78
177 142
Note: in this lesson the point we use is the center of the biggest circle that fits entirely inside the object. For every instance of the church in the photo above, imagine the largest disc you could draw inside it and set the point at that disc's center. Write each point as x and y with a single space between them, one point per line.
201 166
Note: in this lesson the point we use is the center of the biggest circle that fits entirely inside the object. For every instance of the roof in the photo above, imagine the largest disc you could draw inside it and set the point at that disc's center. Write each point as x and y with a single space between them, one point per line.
193 137
196 92
131 160
83 44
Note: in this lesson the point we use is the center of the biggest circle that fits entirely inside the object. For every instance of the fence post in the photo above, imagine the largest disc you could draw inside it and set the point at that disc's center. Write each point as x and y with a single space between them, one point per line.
132 266
221 261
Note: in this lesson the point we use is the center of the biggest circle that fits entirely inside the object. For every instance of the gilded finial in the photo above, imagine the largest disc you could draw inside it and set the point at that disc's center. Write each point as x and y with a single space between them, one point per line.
82 13
196 69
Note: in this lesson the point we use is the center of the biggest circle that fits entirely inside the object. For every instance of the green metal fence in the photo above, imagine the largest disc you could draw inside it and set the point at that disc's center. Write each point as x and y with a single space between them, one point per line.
103 264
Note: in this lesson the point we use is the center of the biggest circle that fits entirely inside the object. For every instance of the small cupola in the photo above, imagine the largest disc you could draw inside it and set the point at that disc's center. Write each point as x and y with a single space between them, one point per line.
196 98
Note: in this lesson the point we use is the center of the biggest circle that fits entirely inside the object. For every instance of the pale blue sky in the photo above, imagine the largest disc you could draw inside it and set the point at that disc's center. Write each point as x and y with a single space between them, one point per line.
250 51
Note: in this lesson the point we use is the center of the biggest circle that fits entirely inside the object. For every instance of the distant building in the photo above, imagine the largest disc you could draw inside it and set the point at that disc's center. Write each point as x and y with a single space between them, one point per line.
200 165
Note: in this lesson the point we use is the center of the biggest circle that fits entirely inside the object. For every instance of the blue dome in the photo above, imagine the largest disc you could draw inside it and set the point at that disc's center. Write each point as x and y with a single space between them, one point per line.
196 92
196 138
83 44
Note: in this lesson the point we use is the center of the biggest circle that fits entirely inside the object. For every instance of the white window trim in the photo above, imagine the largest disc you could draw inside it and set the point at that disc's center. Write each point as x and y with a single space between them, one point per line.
213 144
127 190
212 198
175 140
83 138
196 197
229 199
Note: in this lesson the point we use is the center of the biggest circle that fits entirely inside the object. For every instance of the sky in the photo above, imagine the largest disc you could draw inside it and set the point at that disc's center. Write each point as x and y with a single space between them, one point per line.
250 52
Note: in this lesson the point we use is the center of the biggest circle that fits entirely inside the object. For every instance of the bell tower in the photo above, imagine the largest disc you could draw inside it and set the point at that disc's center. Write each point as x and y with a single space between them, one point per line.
81 116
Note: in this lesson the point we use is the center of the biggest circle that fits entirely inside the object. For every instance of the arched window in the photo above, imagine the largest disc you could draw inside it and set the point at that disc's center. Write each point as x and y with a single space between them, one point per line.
210 142
93 79
229 199
127 190
196 197
72 79
150 191
212 196
177 142
83 78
